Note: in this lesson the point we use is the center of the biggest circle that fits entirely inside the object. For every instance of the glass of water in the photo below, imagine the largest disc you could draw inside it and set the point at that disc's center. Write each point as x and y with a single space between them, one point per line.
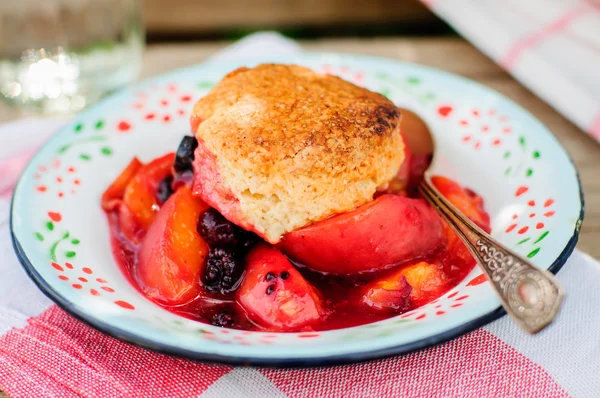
58 56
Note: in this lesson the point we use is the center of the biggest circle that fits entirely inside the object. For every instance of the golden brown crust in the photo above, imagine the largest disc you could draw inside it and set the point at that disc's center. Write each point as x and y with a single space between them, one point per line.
288 134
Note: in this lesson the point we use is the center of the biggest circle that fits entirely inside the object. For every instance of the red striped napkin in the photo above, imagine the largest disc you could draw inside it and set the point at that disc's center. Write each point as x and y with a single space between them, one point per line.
44 352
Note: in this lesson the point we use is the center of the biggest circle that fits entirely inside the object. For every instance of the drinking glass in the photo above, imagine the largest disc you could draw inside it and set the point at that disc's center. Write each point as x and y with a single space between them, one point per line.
58 56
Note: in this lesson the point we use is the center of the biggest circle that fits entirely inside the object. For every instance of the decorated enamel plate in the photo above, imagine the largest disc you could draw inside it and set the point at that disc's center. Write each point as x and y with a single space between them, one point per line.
485 142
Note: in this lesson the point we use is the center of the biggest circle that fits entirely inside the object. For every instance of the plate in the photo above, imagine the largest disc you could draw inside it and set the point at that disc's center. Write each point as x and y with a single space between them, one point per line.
488 143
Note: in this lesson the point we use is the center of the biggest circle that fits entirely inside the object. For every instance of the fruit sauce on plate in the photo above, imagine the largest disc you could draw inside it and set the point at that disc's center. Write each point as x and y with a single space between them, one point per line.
187 258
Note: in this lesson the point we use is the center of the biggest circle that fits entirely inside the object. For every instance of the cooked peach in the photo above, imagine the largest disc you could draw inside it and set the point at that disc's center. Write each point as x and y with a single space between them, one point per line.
140 194
410 286
385 232
173 254
465 200
275 295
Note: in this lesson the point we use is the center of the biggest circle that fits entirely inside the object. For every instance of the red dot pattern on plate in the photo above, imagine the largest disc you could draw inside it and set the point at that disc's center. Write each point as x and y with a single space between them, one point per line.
452 295
308 335
521 190
124 126
456 305
445 110
68 267
421 317
57 266
344 72
531 221
171 103
124 304
478 280
478 124
523 230
462 297
440 312
55 216
54 179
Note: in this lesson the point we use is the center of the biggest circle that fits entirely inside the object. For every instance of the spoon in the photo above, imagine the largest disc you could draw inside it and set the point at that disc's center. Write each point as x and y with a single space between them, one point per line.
531 296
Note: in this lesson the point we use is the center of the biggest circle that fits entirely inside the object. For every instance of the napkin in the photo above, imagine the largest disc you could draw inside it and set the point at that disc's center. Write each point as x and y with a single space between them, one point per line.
551 46
44 352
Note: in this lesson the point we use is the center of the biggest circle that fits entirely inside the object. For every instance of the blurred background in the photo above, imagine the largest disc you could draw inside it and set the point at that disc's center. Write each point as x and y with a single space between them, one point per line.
58 56
193 19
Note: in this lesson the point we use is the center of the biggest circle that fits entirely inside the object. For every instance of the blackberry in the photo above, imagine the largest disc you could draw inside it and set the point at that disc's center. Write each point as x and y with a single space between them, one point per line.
223 319
164 190
184 157
223 270
217 231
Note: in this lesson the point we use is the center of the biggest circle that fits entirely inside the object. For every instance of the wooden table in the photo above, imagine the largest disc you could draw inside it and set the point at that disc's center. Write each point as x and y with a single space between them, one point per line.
452 54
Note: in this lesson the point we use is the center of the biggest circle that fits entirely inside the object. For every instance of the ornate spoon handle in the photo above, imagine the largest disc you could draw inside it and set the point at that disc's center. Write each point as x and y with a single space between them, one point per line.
531 296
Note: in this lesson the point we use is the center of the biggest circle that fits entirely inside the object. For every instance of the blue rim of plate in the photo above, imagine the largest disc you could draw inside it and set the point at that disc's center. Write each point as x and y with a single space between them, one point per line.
334 360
